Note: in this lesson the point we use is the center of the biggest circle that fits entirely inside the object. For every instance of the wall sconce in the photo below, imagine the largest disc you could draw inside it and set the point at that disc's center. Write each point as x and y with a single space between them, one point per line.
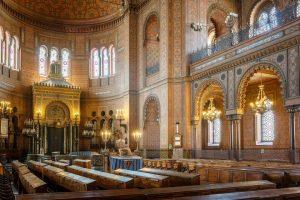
120 115
76 117
198 26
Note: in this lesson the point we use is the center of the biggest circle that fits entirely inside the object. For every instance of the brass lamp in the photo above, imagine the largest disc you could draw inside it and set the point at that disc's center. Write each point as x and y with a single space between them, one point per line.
262 103
211 113
105 134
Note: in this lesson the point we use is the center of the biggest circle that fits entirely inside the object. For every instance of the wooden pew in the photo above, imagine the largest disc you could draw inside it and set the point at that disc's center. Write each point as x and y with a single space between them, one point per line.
103 179
69 181
83 163
154 193
1 169
176 178
36 166
74 182
145 180
56 164
275 194
32 183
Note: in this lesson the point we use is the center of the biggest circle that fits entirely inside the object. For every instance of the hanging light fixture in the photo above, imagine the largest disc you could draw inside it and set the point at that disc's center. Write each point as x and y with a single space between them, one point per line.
262 103
211 113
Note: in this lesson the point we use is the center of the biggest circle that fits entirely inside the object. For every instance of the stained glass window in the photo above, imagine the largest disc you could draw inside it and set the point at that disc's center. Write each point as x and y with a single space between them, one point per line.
53 55
267 20
105 63
12 52
65 62
112 60
3 47
1 41
42 60
298 9
95 64
214 132
7 48
267 126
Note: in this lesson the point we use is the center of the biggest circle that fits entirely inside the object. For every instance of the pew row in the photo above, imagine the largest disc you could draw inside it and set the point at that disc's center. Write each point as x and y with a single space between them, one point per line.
32 184
56 164
175 178
145 180
36 166
67 180
103 179
154 193
292 193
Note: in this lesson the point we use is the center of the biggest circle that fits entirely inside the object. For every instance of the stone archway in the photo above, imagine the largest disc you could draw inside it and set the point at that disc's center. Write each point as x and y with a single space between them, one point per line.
241 89
151 138
57 114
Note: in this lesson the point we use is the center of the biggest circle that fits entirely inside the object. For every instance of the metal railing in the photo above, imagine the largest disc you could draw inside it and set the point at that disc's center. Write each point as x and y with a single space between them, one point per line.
290 13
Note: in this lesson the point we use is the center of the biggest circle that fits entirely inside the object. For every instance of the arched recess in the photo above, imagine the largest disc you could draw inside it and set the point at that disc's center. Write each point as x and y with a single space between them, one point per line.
243 83
199 93
151 44
151 132
216 16
215 89
57 113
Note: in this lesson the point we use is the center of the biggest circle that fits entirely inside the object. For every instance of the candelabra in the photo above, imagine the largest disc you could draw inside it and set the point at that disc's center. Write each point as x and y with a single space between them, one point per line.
120 115
197 26
29 128
105 137
137 135
5 108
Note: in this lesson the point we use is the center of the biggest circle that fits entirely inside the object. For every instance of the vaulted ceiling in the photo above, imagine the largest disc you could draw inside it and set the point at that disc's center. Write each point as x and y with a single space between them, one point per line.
70 9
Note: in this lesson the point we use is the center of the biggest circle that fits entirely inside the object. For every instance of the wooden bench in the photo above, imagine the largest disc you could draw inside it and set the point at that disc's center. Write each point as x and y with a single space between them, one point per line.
74 182
83 163
275 194
36 166
145 180
32 183
103 179
56 164
175 178
49 172
155 193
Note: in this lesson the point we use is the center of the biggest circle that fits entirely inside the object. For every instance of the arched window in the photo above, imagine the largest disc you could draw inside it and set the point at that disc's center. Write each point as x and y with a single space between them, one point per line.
298 9
105 63
95 64
112 60
65 64
265 128
43 52
7 47
266 20
12 53
1 42
214 132
53 55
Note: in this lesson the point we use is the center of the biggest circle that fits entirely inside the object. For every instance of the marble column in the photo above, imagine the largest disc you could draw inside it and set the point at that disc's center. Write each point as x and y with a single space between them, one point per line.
235 137
71 138
292 134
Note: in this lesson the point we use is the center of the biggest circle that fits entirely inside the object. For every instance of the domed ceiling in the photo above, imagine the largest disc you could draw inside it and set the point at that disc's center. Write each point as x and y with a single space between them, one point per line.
71 9
67 15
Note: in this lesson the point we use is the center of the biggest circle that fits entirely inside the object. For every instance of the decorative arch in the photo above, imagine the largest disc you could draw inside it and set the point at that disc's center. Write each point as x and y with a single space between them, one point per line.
151 44
57 110
243 83
216 18
148 100
256 8
199 94
151 128
151 14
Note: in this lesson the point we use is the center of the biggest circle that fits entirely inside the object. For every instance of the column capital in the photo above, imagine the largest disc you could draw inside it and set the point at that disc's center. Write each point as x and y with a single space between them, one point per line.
234 117
293 109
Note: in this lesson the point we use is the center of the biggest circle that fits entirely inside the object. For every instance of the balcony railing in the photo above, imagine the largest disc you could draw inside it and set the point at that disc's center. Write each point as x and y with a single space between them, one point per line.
290 13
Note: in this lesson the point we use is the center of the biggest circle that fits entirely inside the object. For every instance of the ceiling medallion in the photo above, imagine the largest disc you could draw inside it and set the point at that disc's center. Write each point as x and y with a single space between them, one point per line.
211 113
262 103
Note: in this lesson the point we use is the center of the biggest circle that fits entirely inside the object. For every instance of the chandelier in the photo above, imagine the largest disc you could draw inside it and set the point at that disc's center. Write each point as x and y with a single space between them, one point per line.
89 129
211 113
262 103
29 128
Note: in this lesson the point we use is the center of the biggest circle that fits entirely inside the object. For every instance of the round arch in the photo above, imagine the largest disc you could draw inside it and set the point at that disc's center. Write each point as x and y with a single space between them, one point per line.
243 83
147 101
57 110
199 94
151 14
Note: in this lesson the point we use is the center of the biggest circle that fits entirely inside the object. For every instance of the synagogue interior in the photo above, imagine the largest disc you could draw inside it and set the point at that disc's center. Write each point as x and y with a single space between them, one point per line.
149 99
